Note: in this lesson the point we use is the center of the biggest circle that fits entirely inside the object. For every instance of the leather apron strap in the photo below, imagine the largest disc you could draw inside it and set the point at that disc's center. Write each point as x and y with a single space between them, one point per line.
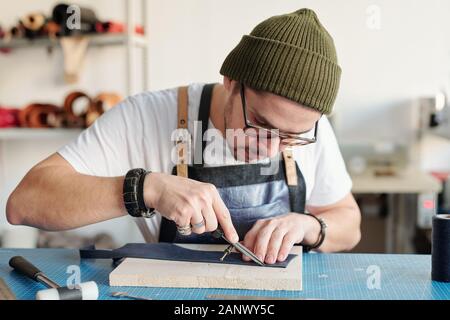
168 229
182 144
290 167
203 117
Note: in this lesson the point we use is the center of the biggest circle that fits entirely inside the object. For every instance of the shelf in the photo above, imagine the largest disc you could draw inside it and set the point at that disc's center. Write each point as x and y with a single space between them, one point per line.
96 40
34 134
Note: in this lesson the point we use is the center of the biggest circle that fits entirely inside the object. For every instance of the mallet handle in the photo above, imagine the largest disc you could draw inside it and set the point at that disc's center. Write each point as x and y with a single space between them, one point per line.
20 264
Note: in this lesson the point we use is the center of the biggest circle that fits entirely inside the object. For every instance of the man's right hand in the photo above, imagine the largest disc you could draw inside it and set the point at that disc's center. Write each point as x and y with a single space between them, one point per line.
188 202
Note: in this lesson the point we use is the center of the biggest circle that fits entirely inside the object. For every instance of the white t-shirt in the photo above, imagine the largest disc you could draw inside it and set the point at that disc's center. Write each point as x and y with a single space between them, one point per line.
138 133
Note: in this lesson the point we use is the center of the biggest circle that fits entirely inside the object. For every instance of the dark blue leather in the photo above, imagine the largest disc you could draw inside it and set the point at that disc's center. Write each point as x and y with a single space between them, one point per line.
172 252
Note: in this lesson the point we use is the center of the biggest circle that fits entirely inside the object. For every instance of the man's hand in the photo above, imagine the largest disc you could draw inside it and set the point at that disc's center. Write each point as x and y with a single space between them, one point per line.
272 239
187 201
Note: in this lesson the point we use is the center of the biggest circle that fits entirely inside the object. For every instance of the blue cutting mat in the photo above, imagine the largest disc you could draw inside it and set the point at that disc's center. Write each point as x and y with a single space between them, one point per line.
325 276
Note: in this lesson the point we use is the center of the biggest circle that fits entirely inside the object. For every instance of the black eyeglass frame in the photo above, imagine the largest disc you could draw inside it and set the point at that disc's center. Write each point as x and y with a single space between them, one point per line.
297 139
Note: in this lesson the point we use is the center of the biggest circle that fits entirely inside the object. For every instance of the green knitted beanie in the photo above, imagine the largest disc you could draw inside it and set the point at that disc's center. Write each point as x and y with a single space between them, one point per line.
289 55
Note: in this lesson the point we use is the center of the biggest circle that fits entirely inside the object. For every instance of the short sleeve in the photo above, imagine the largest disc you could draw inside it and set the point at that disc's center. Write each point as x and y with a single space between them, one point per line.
101 150
332 181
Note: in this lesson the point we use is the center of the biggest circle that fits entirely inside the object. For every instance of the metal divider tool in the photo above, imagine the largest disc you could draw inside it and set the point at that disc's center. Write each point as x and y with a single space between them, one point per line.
127 295
239 247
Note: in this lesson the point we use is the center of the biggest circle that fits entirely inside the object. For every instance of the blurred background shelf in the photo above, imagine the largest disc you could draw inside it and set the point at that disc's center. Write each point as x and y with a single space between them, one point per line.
116 62
96 40
31 134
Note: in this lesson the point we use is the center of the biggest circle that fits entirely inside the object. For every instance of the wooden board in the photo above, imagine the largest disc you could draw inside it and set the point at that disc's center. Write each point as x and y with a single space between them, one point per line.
180 274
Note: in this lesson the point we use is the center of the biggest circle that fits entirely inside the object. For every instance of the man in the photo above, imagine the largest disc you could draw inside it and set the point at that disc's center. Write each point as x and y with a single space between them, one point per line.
278 83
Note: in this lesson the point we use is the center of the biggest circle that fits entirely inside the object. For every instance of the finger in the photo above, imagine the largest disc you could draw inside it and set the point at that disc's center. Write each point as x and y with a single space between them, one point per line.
250 237
183 220
197 222
184 229
224 218
286 246
262 240
196 216
274 245
245 258
210 218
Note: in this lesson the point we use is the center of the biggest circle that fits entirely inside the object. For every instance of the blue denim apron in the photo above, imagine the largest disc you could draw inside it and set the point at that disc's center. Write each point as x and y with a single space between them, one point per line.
249 195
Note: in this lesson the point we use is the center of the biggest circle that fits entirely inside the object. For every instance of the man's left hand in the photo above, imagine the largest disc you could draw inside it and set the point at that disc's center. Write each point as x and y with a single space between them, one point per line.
272 239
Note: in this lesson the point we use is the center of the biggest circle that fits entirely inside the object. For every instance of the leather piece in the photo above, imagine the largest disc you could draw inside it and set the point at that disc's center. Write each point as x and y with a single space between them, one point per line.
88 20
104 102
72 98
172 252
47 116
9 117
38 115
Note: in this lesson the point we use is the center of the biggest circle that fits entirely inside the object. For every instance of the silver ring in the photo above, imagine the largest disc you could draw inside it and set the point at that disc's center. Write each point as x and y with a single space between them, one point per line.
198 225
184 231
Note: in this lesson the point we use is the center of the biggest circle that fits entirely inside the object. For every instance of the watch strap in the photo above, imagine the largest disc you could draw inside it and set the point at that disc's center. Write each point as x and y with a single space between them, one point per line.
319 242
133 194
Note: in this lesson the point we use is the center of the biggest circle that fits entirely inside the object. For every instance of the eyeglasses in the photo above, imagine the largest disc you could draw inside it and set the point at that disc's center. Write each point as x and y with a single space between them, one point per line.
289 139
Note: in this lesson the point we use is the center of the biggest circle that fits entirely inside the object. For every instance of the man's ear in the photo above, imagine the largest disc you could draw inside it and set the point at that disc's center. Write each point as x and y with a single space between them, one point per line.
228 84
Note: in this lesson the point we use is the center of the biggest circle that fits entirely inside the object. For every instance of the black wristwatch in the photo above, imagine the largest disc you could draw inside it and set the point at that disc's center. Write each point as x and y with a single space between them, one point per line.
323 227
133 194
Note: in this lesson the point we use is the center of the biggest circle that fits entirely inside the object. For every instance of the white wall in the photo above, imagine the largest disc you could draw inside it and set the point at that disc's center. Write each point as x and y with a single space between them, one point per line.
383 70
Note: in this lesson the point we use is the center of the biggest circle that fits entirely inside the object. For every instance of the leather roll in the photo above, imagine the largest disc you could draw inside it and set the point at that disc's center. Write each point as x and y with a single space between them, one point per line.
69 121
110 27
33 21
9 118
88 19
116 27
33 24
83 102
52 29
39 115
24 115
17 32
101 104
106 101
59 14
64 120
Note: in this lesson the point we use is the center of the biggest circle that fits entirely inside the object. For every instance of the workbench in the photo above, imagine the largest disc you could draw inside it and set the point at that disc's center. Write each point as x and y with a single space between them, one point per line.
325 276
403 191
